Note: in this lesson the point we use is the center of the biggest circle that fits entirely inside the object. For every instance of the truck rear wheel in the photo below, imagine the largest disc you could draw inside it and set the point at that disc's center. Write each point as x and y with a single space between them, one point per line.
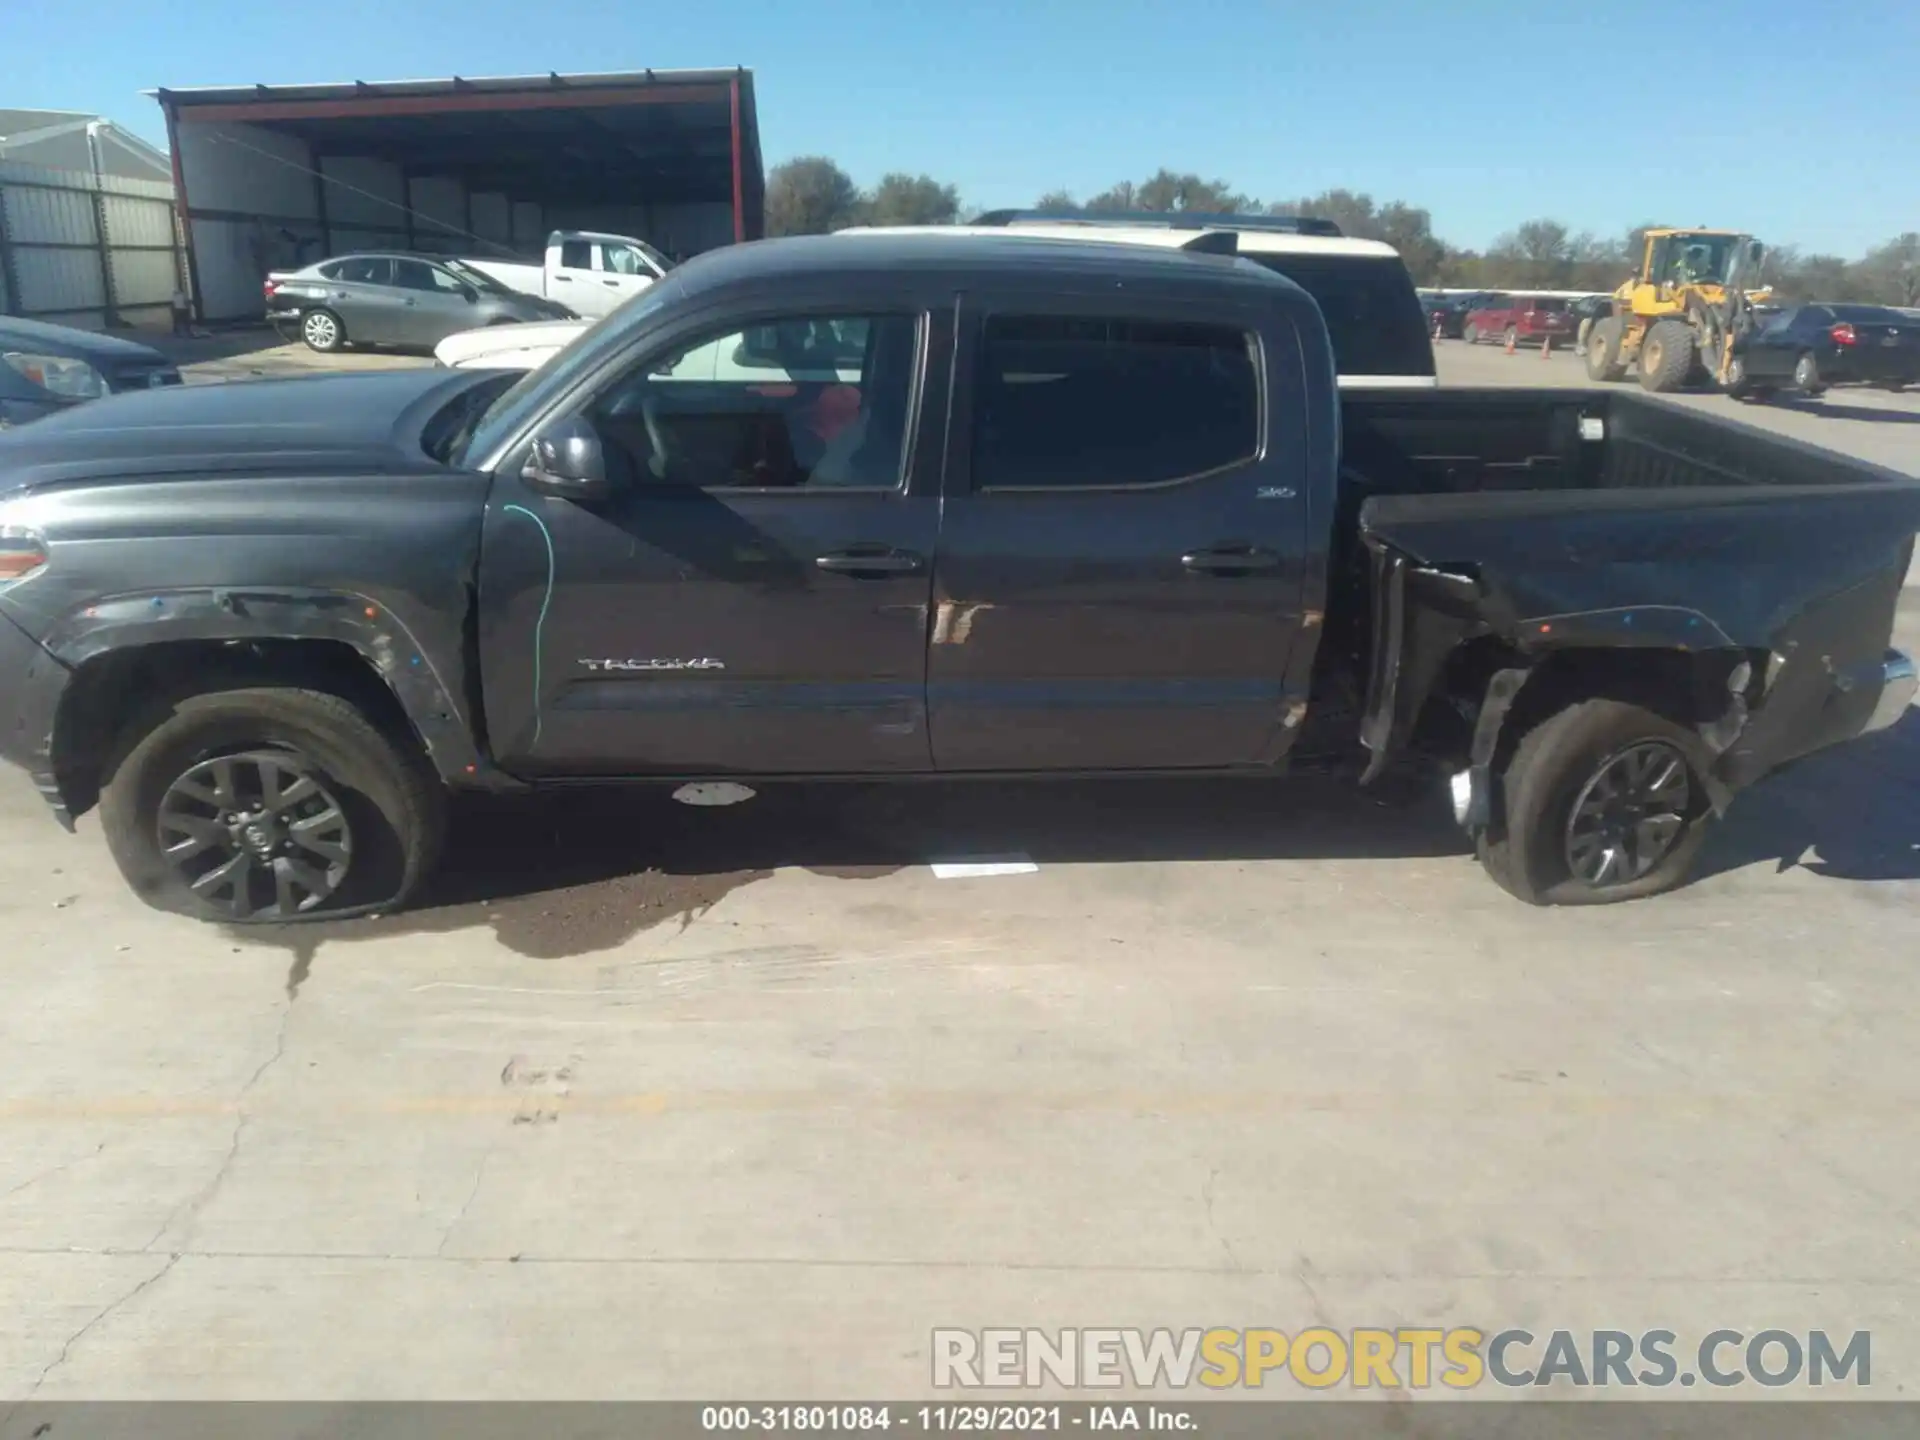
264 805
1603 349
1602 802
1666 357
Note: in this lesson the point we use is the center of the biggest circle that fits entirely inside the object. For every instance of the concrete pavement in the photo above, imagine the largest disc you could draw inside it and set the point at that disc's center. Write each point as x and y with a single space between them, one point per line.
665 1102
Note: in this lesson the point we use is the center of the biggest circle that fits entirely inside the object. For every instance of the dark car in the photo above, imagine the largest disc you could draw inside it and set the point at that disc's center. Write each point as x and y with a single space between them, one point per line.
1810 347
50 367
411 302
1586 310
1447 314
1072 508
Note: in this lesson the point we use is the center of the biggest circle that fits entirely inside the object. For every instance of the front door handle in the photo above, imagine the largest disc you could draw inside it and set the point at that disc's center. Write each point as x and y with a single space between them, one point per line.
1230 560
870 560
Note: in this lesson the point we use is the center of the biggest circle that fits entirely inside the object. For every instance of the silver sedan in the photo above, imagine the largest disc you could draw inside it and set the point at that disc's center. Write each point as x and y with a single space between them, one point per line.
409 301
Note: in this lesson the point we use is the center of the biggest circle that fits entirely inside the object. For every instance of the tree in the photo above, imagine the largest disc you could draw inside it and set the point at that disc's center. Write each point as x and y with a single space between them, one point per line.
1597 263
1120 197
1354 214
810 196
902 199
1893 271
1164 190
1057 202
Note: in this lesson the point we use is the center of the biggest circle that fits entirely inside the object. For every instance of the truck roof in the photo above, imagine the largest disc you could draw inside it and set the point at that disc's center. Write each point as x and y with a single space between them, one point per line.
964 251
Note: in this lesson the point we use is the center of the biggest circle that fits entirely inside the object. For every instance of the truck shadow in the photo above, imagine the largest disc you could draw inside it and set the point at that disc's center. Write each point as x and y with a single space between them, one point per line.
566 874
1850 813
1835 410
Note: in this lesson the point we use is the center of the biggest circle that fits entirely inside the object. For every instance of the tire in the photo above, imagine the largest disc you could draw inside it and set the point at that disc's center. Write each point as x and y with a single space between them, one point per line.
1666 357
374 810
1550 775
1739 386
323 330
1511 338
1806 375
1603 348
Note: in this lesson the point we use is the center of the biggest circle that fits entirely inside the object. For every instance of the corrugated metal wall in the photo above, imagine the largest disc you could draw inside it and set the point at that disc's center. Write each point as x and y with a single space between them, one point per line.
254 209
80 249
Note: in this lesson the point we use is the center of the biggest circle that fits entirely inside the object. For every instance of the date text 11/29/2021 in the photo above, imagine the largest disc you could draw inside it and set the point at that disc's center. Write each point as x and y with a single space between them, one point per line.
980 1419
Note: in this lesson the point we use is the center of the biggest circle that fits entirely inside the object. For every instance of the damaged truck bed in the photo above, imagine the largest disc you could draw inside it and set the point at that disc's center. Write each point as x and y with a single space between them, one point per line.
1514 550
925 506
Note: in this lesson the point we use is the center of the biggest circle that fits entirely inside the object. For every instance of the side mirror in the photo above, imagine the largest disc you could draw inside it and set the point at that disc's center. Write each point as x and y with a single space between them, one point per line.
473 295
568 463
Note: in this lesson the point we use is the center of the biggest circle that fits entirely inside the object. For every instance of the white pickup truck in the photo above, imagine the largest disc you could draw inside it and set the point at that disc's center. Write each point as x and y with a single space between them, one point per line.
589 273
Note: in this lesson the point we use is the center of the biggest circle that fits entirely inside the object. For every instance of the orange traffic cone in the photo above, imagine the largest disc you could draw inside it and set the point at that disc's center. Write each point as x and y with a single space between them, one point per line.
1510 346
1546 346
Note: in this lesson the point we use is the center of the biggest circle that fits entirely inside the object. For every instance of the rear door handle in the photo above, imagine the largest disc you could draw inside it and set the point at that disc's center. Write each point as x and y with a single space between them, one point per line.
611 284
870 560
1230 560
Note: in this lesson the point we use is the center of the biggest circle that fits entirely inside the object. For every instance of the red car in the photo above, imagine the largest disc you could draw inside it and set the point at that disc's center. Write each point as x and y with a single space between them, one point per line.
1520 318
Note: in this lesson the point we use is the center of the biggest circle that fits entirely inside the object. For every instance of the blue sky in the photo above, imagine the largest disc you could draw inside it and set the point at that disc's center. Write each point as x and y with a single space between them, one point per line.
1799 122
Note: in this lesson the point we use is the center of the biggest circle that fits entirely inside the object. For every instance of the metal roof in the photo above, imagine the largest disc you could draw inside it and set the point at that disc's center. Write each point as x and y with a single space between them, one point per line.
670 134
452 85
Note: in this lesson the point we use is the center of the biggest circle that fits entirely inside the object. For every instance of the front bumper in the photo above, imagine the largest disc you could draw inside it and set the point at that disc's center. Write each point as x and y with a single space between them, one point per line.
31 683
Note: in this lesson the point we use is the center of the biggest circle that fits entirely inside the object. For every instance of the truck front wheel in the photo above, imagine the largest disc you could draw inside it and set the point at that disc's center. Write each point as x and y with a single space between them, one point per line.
264 805
1666 357
1603 802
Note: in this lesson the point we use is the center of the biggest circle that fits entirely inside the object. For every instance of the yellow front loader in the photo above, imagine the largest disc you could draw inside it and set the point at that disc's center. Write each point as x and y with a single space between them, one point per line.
1677 319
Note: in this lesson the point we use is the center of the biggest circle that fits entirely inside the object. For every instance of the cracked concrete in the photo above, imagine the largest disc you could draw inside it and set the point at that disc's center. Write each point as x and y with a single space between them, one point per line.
191 1207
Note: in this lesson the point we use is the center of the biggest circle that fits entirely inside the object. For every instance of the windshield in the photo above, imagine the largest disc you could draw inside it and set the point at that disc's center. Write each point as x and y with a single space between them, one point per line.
479 279
510 410
661 262
1704 257
1375 319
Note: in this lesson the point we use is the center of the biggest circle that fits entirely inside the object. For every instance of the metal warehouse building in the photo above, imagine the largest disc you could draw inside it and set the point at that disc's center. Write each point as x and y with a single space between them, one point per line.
274 176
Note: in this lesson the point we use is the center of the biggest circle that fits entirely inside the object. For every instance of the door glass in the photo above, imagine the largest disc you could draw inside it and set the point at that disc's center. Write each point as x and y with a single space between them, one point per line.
365 270
625 260
418 275
1078 401
810 402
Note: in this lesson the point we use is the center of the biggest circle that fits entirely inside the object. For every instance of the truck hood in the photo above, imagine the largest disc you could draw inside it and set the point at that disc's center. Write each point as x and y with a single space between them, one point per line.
509 347
251 425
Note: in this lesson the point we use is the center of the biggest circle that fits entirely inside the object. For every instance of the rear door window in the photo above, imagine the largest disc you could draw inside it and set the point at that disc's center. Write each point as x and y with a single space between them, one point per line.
576 255
1550 305
366 270
1083 402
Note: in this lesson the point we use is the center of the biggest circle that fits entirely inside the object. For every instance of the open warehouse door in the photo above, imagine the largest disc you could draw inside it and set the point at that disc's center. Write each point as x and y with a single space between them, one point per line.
276 176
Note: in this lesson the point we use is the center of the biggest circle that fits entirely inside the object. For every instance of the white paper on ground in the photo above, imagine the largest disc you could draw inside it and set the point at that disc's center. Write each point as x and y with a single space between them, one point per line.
722 792
987 865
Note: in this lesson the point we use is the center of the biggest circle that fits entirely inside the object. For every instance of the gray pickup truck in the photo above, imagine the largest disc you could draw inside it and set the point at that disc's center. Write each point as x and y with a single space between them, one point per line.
952 506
